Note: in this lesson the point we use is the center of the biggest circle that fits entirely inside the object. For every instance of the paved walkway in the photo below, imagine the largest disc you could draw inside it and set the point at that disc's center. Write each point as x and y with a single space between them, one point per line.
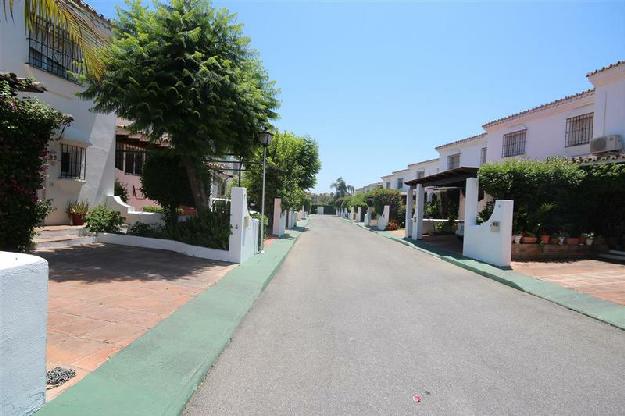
356 324
597 278
103 297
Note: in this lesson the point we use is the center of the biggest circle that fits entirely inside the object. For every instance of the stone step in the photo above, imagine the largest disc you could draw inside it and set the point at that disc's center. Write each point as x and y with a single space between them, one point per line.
72 242
54 231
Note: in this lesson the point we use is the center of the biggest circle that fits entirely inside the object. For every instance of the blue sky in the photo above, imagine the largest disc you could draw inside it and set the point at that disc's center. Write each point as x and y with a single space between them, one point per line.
379 84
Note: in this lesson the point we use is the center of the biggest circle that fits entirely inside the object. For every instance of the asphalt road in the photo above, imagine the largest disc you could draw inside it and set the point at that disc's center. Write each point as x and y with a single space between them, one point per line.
356 324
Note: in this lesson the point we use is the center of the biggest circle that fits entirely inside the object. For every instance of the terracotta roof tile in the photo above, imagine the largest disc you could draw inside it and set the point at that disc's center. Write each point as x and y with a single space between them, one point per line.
465 140
605 68
541 107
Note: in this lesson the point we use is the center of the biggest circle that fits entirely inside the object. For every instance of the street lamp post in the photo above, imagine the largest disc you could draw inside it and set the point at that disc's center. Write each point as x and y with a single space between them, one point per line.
265 140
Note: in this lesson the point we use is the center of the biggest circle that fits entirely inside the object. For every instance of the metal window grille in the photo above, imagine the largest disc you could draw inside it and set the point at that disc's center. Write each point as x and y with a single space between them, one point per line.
129 158
579 129
453 161
50 49
514 143
73 161
420 174
482 155
400 183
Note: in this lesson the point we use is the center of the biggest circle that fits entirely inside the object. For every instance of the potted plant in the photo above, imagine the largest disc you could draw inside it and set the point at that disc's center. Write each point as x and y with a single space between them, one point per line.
529 238
77 211
545 237
588 239
561 236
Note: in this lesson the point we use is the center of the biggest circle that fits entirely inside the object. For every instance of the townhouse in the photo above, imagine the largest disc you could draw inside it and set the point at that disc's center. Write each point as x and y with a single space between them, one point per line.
81 163
591 122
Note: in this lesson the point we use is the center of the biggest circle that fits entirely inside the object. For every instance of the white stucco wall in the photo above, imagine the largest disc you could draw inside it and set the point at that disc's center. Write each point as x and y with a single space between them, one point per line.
470 152
95 132
23 320
546 131
609 102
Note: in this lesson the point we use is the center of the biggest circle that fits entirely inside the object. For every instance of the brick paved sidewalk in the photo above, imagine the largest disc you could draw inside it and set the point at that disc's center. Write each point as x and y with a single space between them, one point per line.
103 297
597 278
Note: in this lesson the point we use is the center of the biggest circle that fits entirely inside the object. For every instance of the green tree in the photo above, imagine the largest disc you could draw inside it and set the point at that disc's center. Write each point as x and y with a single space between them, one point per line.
185 71
341 187
292 165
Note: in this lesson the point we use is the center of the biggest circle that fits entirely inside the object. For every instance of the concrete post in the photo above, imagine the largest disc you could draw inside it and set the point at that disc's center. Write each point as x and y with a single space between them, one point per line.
23 320
409 209
417 232
471 201
242 241
359 214
278 218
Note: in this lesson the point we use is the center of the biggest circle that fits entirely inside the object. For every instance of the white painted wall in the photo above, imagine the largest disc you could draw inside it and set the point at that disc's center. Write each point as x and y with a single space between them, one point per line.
23 320
609 101
546 131
469 153
490 241
95 132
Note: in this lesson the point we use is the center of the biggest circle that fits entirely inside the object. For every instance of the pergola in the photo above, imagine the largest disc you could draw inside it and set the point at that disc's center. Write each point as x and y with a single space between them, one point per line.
450 178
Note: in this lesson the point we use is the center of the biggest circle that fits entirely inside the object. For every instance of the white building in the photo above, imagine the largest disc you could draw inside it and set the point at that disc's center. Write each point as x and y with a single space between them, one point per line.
81 164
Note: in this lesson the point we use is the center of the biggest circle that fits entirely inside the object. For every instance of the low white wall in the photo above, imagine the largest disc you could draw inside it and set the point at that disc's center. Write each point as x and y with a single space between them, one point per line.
23 320
490 241
131 215
163 244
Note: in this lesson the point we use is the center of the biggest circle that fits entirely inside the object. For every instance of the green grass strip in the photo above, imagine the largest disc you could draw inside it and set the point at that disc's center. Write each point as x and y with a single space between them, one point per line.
158 373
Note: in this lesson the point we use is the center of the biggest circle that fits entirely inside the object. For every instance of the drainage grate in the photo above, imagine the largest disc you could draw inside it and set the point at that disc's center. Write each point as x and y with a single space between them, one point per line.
59 375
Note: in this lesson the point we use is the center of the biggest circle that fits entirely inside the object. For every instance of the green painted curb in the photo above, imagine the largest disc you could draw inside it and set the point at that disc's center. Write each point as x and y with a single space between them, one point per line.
599 309
158 373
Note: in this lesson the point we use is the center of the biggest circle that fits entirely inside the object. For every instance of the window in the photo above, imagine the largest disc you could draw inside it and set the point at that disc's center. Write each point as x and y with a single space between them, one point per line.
387 185
514 143
50 49
129 158
400 183
420 174
73 161
482 156
579 129
453 161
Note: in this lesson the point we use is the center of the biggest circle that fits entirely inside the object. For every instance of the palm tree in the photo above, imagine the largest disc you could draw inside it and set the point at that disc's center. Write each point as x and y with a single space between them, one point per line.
342 188
63 14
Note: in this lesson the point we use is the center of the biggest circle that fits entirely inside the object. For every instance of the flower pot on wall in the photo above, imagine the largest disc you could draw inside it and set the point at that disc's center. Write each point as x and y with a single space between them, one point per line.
517 238
545 238
589 241
77 219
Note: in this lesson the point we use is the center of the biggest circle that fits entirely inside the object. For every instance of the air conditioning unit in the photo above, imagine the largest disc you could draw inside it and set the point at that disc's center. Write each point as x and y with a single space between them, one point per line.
604 144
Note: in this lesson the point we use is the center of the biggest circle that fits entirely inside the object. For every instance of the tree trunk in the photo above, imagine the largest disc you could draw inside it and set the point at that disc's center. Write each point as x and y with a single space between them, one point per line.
196 182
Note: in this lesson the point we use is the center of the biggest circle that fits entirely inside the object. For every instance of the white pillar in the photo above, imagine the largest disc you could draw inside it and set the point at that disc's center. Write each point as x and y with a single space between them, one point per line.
470 201
417 232
242 240
23 320
409 208
359 214
277 217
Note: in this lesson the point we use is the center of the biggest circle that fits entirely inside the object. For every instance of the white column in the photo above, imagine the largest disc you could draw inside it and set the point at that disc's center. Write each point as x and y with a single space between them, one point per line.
470 201
417 233
23 320
242 241
409 209
277 214
359 214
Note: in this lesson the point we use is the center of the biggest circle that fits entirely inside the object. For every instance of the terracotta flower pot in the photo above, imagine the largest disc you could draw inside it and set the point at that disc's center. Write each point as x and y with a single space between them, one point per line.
78 219
545 238
572 241
529 240
517 238
589 241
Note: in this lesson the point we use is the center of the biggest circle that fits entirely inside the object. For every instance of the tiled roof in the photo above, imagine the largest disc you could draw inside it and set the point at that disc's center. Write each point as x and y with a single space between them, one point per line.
423 161
83 5
542 107
605 68
466 140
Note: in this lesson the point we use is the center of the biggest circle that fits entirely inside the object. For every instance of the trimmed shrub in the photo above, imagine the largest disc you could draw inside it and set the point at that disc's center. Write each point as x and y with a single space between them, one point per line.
121 190
391 197
103 219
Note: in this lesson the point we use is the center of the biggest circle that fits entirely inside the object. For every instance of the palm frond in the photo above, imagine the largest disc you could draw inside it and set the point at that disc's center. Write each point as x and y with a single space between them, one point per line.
69 16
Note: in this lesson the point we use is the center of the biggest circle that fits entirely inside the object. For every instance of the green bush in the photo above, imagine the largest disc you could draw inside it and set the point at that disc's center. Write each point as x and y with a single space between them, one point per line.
209 228
103 219
121 190
154 209
26 126
391 197
146 230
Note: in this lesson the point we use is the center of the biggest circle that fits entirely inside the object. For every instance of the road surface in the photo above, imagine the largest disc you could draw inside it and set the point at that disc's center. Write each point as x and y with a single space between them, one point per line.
356 324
